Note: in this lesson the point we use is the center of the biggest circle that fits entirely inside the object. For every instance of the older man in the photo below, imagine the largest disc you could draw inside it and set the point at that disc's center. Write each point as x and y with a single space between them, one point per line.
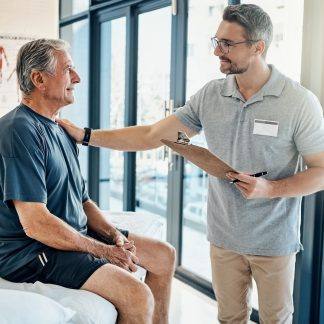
256 119
50 230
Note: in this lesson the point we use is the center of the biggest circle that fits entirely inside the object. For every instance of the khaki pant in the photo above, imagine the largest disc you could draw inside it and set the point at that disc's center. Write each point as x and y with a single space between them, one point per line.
232 282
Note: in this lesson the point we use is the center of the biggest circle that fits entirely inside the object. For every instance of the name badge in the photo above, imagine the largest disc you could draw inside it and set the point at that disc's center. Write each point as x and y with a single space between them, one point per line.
265 127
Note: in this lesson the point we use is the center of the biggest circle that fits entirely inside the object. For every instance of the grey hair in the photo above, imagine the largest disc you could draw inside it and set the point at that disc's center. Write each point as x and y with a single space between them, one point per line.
37 55
253 19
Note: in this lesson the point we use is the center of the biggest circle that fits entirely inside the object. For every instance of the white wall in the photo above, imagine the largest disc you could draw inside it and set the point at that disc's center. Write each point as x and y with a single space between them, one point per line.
20 22
312 74
36 17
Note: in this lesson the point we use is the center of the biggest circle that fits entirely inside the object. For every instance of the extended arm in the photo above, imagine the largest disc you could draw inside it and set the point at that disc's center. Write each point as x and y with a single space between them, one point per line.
134 138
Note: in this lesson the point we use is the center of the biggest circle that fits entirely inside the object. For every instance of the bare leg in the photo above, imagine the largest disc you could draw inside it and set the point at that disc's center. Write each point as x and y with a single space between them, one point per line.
158 258
132 298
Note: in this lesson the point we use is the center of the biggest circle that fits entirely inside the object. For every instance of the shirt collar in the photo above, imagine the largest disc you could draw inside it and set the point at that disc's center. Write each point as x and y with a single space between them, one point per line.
273 87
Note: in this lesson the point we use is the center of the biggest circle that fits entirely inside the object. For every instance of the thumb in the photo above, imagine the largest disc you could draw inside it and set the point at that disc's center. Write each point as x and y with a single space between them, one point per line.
119 241
63 121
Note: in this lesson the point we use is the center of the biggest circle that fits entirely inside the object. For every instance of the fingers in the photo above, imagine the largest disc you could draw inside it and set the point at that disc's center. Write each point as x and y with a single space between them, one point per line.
133 260
241 177
76 132
133 249
63 122
229 175
129 245
120 241
132 267
243 185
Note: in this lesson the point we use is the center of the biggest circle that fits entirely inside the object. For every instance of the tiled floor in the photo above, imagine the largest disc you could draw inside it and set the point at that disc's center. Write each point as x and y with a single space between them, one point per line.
189 306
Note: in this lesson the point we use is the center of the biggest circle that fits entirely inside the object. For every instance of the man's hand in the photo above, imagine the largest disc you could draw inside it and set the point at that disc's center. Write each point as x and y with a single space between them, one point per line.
122 257
76 132
121 241
252 187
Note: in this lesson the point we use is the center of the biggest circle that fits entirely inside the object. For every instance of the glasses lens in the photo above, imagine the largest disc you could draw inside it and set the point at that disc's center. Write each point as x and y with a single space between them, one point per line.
223 47
214 43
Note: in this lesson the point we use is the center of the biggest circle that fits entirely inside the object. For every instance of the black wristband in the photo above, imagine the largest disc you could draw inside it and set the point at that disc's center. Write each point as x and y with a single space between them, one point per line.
87 134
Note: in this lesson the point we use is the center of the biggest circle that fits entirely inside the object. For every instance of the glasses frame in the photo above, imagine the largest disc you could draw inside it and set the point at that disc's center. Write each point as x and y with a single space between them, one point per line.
221 43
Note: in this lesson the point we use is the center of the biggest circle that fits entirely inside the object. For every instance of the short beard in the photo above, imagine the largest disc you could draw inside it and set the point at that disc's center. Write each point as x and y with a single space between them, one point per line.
234 69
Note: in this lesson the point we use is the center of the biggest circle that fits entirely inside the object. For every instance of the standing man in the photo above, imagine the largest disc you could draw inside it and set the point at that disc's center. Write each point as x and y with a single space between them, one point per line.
256 119
50 229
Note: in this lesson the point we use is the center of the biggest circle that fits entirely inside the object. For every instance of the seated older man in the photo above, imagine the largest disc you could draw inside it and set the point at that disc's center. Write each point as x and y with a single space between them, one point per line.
50 230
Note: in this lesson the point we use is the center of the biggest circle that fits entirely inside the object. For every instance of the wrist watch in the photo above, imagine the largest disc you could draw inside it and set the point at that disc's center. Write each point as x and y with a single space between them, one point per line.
87 134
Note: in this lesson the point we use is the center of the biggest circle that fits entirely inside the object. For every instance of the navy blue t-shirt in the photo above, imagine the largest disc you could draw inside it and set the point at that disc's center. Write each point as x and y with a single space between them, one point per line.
38 163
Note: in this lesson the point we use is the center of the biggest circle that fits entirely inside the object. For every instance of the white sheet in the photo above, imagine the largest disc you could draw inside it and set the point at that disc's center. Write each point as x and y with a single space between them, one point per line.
89 308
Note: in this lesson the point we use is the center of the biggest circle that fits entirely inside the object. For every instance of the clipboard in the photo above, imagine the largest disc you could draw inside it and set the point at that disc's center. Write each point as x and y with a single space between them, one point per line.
200 156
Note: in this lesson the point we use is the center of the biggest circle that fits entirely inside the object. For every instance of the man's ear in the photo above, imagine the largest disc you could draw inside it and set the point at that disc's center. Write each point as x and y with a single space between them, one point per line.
37 78
260 47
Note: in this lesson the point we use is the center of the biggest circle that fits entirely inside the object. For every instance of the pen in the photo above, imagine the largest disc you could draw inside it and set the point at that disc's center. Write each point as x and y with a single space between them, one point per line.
256 175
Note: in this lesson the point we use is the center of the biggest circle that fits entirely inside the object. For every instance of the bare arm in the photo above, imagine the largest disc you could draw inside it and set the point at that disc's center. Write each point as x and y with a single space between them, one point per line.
134 138
39 224
101 225
300 184
303 183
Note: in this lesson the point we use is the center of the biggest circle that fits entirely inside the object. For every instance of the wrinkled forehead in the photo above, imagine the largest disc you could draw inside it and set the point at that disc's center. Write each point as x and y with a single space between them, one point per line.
63 58
230 31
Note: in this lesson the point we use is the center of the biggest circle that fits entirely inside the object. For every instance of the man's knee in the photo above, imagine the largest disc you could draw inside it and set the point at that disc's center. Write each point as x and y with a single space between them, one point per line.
128 294
141 299
167 258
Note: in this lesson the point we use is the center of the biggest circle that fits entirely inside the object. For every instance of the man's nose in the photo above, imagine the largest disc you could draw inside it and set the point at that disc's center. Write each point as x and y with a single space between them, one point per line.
217 51
75 78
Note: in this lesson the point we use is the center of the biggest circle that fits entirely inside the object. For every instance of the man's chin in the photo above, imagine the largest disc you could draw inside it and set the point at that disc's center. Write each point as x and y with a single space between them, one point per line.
224 70
229 71
69 101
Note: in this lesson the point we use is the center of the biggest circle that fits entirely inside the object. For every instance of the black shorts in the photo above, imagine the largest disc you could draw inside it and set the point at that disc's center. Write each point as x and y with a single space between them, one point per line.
64 268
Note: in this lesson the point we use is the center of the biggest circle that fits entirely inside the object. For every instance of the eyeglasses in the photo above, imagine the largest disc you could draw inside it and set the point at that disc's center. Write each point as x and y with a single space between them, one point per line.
225 45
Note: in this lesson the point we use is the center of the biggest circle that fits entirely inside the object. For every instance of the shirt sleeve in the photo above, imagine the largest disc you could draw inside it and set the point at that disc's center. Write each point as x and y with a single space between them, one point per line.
24 166
189 113
309 132
85 195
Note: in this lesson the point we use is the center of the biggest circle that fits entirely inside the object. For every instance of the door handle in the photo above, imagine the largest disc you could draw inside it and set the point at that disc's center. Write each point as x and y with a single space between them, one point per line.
167 113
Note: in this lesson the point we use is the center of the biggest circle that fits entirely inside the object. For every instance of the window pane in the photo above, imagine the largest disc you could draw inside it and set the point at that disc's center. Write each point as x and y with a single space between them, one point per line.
202 66
112 110
72 7
154 50
286 48
77 35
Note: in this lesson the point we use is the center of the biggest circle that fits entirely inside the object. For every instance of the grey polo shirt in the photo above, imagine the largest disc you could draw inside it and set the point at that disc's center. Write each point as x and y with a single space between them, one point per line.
268 132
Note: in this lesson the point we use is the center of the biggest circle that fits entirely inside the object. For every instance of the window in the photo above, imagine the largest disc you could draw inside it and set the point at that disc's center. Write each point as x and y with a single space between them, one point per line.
112 110
72 7
202 66
286 48
77 35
